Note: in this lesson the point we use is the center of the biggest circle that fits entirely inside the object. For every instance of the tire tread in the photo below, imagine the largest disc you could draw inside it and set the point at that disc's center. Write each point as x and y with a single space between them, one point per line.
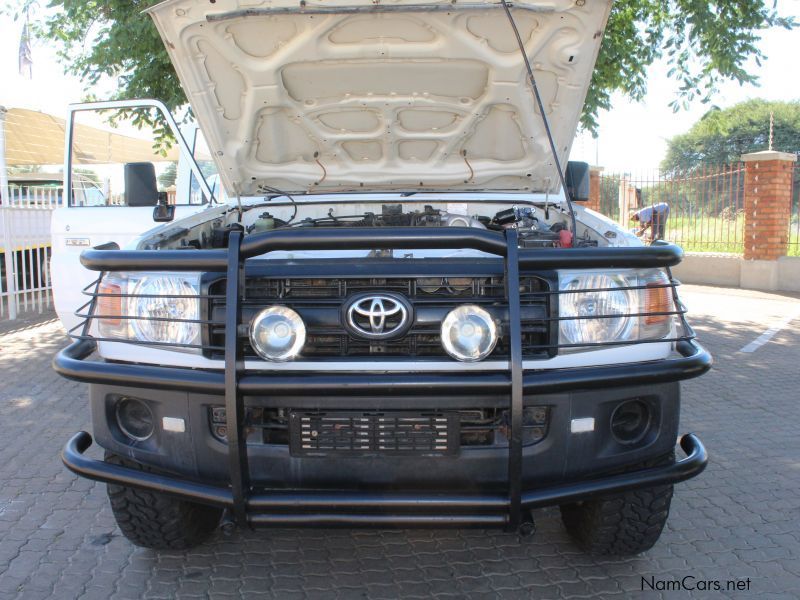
158 521
624 524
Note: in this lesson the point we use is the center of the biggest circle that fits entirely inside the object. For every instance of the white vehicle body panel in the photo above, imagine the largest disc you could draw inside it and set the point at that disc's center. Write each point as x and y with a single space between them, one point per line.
607 356
401 95
73 229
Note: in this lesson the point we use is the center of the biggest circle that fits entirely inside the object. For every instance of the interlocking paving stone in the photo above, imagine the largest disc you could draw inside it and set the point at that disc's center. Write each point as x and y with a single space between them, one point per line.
739 519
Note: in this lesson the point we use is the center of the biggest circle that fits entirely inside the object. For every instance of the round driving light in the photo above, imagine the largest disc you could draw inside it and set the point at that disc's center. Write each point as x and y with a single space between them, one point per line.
469 333
135 419
630 422
277 334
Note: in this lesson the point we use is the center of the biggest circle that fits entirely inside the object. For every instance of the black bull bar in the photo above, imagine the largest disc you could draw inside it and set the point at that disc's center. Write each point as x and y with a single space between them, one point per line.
385 509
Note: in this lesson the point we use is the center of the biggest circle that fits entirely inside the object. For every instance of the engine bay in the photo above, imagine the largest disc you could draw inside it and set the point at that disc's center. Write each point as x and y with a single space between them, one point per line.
545 226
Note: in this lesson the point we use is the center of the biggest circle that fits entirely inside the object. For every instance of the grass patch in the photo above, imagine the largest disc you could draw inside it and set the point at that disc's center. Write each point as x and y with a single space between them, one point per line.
714 234
707 234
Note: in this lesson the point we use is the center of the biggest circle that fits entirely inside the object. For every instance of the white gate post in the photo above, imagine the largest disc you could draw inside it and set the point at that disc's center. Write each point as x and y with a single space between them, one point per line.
8 246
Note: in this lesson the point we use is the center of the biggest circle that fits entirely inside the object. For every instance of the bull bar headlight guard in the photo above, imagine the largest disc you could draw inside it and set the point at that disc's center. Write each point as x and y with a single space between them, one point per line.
606 308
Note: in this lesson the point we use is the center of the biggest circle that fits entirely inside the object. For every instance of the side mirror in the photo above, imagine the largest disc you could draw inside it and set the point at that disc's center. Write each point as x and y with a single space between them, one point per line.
141 188
577 177
163 212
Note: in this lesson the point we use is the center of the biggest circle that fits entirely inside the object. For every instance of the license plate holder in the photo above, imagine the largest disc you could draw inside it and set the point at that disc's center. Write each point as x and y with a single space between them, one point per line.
390 433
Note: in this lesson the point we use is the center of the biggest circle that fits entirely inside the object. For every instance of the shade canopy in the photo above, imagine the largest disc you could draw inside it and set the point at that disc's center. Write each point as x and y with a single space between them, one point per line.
37 138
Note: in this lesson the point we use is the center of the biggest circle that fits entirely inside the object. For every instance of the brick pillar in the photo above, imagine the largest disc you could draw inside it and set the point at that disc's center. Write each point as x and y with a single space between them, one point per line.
767 204
594 189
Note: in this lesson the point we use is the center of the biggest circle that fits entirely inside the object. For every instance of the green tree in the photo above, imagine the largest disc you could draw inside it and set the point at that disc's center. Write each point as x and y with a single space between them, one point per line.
168 177
704 43
722 136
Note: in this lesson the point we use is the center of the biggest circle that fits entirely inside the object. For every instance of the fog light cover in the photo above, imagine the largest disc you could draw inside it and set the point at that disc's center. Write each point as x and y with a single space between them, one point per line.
630 422
277 334
469 333
135 419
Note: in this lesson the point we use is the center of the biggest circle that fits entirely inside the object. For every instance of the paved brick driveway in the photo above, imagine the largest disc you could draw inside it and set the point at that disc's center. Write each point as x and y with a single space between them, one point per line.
740 519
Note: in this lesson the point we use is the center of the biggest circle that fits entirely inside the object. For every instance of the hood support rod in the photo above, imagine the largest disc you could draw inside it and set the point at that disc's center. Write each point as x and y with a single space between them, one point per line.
546 123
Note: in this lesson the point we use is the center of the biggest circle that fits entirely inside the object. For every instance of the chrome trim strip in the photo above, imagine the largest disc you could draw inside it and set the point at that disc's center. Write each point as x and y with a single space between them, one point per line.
376 366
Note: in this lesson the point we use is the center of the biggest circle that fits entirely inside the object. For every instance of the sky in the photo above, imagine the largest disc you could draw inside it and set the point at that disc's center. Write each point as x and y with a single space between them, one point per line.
632 136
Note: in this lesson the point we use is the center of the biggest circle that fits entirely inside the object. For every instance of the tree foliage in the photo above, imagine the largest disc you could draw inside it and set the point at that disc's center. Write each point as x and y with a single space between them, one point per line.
722 136
168 178
704 42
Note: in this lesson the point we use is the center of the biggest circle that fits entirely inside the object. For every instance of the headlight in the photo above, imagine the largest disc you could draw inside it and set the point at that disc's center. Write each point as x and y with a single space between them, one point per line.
623 306
160 308
469 333
277 333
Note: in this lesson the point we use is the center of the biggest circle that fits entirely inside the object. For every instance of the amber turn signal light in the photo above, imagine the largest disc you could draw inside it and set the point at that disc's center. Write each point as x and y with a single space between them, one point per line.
109 303
657 302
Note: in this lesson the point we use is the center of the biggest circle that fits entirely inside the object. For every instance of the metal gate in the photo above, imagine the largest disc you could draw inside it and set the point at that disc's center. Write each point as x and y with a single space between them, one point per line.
25 261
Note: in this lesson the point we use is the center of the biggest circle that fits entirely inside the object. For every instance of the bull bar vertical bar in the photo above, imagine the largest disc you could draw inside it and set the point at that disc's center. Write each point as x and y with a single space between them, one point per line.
234 405
515 367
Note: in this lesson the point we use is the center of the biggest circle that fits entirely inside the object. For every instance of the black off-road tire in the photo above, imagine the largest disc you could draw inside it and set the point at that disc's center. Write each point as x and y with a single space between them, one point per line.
623 524
157 521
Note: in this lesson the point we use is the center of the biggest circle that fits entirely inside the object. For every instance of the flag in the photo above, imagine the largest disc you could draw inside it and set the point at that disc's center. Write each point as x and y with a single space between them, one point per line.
25 58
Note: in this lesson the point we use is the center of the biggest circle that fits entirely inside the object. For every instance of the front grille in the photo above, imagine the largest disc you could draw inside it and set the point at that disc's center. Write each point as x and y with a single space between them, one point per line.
319 302
316 433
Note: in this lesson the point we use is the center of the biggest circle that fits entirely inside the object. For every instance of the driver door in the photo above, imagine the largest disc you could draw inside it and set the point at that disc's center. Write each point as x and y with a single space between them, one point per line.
102 203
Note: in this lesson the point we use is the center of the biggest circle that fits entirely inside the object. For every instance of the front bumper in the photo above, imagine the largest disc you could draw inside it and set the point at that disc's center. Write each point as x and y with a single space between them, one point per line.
71 363
327 508
520 487
316 497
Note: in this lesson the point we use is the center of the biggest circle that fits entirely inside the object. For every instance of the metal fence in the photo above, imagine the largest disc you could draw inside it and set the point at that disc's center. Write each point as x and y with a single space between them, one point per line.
794 221
25 260
706 205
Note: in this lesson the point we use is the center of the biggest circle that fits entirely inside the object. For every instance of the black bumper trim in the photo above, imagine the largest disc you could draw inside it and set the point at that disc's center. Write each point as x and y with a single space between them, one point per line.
331 508
71 363
382 520
354 238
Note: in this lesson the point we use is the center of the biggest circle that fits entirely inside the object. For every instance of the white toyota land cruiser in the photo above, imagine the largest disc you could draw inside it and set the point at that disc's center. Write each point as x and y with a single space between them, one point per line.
401 319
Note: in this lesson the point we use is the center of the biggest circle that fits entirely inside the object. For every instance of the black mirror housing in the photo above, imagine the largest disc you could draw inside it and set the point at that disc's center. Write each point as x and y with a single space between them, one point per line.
163 212
578 179
141 188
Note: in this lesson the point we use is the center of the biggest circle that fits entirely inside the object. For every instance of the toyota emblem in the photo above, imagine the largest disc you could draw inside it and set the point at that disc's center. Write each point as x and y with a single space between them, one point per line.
378 316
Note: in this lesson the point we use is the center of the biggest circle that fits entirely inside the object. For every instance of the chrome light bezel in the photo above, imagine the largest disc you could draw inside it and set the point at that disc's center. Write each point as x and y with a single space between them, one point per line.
298 330
457 315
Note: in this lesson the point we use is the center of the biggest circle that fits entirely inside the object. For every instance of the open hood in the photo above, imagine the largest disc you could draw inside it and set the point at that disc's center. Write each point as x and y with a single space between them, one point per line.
341 95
